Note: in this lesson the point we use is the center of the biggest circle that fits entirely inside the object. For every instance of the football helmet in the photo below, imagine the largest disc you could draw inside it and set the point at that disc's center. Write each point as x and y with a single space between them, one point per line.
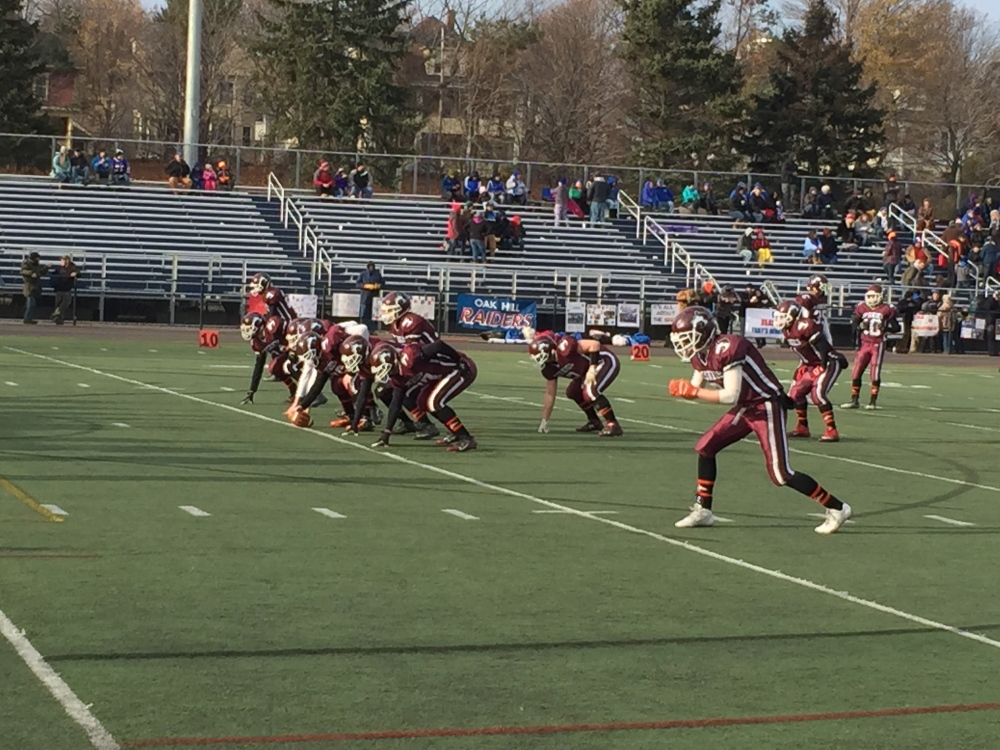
693 331
542 350
252 325
394 306
383 360
786 313
293 331
874 296
353 351
818 285
307 348
259 283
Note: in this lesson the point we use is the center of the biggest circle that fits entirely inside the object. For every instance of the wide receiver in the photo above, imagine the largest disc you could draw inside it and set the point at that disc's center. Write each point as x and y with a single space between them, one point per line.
590 369
820 368
742 380
874 319
260 286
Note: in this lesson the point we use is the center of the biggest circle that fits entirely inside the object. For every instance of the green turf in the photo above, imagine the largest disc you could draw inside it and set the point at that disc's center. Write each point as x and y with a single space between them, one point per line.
267 618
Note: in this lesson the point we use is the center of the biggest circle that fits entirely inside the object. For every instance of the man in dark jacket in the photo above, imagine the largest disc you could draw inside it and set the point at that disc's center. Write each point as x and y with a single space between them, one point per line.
990 307
63 280
178 174
370 283
598 198
707 202
32 271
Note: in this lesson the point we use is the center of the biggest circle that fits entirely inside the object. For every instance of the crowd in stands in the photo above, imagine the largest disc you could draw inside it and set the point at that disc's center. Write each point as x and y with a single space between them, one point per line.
206 176
495 190
344 183
477 233
72 167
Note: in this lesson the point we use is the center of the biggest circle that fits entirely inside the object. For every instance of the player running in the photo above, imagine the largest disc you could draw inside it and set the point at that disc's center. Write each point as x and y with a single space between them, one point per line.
260 286
820 368
267 337
742 380
874 318
813 302
590 369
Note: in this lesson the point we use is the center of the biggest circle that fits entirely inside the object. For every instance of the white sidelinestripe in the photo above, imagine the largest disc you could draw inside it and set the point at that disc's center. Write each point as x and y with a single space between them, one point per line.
942 519
10 382
83 385
624 400
193 510
118 424
226 367
459 514
77 710
672 541
227 390
54 509
328 513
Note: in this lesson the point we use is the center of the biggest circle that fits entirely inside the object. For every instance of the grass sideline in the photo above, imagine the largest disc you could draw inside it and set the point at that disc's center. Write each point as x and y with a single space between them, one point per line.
268 619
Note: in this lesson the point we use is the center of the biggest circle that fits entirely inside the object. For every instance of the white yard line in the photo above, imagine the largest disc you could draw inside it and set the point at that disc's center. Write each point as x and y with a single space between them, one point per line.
83 385
227 367
624 400
194 511
328 513
10 382
591 512
118 424
952 521
54 509
724 520
973 427
227 390
459 514
77 710
704 552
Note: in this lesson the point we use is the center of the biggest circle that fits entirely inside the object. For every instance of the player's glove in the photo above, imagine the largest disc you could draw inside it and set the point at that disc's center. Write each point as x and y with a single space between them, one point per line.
543 428
591 376
682 388
248 399
383 441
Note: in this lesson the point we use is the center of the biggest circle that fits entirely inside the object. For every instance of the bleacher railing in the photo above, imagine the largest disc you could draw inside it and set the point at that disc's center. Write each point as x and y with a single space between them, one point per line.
632 208
308 241
694 272
930 239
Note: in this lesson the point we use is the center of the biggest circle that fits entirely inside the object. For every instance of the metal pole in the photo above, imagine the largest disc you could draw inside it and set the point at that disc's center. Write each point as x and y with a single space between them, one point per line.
104 285
74 304
201 307
173 291
192 91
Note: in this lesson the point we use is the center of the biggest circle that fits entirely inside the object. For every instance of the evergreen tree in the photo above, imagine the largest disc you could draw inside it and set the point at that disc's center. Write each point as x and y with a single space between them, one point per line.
20 65
686 87
327 69
815 106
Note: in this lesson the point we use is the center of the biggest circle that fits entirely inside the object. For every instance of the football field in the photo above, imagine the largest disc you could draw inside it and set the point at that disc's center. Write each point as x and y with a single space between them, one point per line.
177 570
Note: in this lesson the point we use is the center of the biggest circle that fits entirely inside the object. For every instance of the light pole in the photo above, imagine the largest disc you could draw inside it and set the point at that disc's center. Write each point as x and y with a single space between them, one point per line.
192 90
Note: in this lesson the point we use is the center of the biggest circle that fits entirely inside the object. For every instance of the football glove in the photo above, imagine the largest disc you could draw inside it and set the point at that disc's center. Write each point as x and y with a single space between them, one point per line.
682 388
543 428
591 376
248 399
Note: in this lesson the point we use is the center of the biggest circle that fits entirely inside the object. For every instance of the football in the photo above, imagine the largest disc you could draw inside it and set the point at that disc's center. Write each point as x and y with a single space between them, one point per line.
300 418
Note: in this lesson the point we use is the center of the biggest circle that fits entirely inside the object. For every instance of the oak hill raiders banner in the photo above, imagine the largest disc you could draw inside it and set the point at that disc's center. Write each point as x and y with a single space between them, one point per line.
492 313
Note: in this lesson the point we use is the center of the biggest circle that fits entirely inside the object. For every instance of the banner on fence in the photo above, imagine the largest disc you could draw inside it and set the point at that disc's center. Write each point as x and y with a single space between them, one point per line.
576 317
492 313
348 305
628 315
972 330
663 313
305 305
602 315
759 324
925 325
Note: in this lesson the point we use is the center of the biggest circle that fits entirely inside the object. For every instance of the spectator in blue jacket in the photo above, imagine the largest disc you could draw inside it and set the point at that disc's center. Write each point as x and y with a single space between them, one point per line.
121 170
665 195
341 184
495 188
648 197
100 166
451 189
472 184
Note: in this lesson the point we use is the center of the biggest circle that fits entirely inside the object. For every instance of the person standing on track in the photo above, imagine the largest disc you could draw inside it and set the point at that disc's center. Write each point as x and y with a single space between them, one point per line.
370 283
63 280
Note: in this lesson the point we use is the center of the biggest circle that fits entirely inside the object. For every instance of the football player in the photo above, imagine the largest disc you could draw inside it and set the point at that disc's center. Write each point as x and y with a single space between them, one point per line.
590 369
813 302
820 368
260 286
874 319
354 353
267 337
435 373
405 326
320 358
742 380
301 326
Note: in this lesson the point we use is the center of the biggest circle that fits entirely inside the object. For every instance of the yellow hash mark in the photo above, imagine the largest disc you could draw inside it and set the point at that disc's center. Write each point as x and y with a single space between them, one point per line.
16 492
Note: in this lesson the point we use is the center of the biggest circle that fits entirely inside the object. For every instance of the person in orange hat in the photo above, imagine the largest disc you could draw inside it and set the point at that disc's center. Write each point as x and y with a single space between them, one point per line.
223 176
891 256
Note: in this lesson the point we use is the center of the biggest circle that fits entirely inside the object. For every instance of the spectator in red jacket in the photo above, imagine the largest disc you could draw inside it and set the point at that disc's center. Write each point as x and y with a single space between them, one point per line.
453 234
323 180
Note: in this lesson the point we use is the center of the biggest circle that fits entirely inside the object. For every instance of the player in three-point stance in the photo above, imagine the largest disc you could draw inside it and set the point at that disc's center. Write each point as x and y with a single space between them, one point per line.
742 380
820 368
267 337
874 319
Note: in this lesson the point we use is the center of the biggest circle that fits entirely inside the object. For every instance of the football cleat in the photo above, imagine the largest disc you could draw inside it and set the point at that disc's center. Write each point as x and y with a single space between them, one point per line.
613 429
426 432
365 425
871 406
830 436
800 431
852 404
342 421
834 520
402 428
590 427
699 516
466 443
447 440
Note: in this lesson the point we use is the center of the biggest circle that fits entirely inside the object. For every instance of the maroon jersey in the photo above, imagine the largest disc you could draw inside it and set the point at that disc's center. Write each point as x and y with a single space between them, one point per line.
329 352
802 338
413 329
570 363
728 351
874 321
276 303
413 368
271 337
365 369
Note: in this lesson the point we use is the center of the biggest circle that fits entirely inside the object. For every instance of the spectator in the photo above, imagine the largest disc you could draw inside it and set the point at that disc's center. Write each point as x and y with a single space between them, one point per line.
994 221
577 200
758 203
80 167
197 172
930 307
828 247
451 189
689 200
341 183
453 231
916 252
560 194
63 280
867 201
913 277
789 174
494 221
648 197
121 170
891 255
824 202
925 216
864 229
465 220
360 181
477 237
848 234
990 255
810 204
32 272
209 179
739 185
761 247
614 189
991 307
370 283
665 196
739 206
516 190
884 223
472 185
811 248
598 197
905 308
963 274
890 190
225 178
178 174
753 296
854 203
725 306
947 323
744 246
494 188
706 202
323 180
62 169
100 165
908 206
513 235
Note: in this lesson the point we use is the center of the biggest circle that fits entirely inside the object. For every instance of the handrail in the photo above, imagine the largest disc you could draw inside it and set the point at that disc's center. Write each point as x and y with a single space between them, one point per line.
274 184
674 251
632 208
929 238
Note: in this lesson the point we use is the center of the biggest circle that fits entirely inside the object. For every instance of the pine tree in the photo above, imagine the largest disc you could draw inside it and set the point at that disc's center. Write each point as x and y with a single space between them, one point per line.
686 86
815 106
328 68
20 65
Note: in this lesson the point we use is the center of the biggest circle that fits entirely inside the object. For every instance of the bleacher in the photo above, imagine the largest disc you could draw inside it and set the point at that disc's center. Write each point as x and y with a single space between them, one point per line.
141 241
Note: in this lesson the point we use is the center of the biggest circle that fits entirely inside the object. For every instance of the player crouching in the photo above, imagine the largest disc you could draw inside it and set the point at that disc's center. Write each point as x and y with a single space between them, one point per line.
820 368
741 379
874 319
590 368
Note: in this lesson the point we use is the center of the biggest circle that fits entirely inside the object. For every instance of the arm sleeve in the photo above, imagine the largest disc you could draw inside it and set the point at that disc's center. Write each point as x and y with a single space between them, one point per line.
822 345
697 379
732 380
258 371
394 408
364 388
317 388
438 347
892 325
855 321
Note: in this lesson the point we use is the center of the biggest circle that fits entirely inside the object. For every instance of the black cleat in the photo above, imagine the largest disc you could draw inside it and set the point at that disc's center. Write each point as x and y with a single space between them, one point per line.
426 432
466 443
590 427
613 429
403 428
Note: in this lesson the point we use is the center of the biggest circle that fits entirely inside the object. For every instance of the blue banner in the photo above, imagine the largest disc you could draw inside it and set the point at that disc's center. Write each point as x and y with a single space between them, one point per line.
492 313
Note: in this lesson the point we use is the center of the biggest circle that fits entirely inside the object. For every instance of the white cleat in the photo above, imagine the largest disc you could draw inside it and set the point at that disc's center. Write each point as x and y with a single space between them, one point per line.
871 407
850 405
834 520
698 516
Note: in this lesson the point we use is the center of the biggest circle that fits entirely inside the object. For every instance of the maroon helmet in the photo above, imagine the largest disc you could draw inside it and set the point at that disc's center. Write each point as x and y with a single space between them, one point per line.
786 313
693 331
300 327
252 325
819 286
874 296
542 350
353 351
259 283
308 347
384 360
394 306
